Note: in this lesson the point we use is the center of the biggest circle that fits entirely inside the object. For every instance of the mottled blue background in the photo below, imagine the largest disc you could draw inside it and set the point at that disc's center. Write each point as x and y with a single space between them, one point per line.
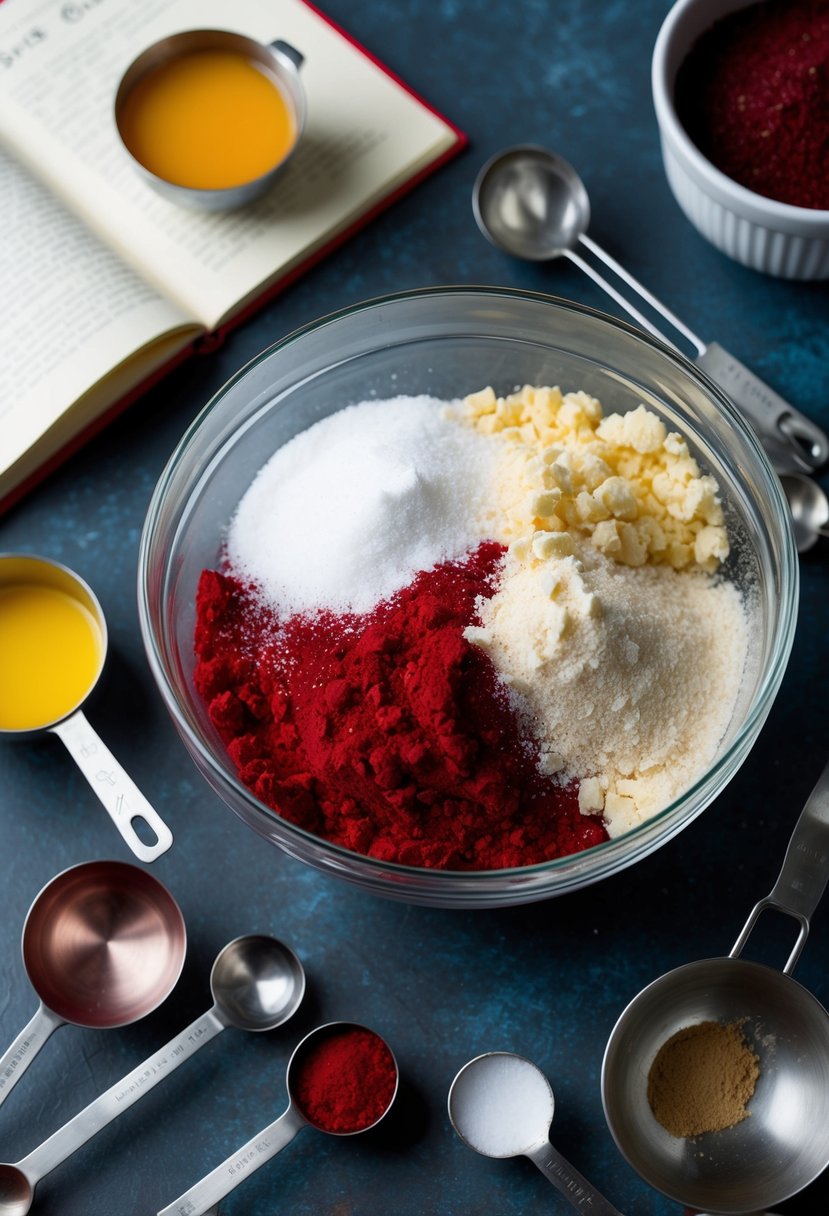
548 980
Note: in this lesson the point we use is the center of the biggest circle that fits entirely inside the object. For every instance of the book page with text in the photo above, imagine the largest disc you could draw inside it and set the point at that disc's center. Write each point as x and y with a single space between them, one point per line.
73 312
60 64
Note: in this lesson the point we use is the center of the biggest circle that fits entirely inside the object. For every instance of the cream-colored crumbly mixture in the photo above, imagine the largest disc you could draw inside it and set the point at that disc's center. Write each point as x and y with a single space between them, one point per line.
620 648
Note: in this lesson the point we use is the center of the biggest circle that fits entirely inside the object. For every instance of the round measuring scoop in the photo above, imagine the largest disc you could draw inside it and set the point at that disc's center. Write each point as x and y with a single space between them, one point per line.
784 1144
531 203
180 127
206 1194
103 945
809 508
53 642
501 1105
257 984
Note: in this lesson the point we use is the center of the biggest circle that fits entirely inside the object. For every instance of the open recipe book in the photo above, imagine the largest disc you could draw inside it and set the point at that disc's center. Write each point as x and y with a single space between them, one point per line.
105 284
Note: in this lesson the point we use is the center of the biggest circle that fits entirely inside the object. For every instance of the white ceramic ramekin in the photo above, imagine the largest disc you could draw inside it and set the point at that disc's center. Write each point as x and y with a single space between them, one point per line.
776 238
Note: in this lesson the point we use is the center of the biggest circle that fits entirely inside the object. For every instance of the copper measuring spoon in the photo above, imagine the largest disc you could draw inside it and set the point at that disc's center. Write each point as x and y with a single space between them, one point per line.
257 984
203 1198
103 945
121 798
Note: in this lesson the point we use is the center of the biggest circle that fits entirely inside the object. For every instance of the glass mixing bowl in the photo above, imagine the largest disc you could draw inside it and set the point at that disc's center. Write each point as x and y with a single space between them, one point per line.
446 342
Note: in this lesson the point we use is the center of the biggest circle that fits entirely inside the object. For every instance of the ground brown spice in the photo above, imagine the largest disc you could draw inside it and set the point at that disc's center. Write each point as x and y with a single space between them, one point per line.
702 1078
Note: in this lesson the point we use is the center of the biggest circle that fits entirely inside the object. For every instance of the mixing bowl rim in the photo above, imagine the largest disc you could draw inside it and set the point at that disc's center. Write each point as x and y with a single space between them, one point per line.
382 869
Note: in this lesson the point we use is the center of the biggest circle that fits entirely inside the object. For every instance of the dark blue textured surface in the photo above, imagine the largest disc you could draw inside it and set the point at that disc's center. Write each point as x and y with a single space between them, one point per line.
547 980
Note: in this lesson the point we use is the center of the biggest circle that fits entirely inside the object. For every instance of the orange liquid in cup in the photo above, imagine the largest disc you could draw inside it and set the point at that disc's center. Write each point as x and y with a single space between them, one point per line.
51 650
207 120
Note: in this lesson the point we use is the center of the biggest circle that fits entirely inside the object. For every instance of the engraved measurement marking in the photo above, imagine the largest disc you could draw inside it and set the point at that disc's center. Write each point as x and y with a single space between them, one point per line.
574 1189
21 1053
241 1163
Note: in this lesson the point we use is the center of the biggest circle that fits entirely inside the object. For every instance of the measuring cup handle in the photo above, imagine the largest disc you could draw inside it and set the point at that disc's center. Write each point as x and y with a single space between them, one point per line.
569 1181
121 797
18 1057
802 879
120 1097
206 1193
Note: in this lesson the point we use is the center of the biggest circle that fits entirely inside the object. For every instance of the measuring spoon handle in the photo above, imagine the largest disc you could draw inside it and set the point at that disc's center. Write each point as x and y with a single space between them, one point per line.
803 877
206 1194
570 1182
119 1097
792 441
18 1057
610 290
122 799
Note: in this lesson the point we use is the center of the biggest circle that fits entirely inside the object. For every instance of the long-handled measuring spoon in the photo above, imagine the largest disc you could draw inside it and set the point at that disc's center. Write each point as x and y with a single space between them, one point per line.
103 945
257 983
784 1145
809 507
501 1105
532 203
53 642
205 1195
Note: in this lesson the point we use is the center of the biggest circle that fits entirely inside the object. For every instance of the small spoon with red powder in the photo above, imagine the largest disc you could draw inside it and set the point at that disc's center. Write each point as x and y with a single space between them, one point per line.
342 1079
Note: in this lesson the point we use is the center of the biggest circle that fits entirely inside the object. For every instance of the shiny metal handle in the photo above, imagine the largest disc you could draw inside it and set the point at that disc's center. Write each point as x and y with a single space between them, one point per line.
289 52
18 1057
803 877
610 290
205 1194
569 1181
644 294
121 797
794 443
119 1097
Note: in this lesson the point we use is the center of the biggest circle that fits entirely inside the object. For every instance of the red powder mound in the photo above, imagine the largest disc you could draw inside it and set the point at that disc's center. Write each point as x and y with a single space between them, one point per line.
388 733
753 94
346 1080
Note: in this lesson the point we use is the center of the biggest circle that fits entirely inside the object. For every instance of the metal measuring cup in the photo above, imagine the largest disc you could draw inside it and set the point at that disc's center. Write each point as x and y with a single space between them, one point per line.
784 1145
121 798
205 1195
103 945
279 61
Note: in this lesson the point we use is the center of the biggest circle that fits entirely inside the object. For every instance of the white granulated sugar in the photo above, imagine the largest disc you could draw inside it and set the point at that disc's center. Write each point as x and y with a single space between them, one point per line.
628 677
348 511
502 1105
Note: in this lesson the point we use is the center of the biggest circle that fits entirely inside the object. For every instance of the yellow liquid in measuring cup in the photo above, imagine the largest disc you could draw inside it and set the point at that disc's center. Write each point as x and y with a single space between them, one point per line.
51 649
207 120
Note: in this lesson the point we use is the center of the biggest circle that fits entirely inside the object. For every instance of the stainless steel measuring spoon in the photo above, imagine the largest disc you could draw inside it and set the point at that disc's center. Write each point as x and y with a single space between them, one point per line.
532 203
784 1145
103 945
205 1195
121 798
809 508
501 1105
257 984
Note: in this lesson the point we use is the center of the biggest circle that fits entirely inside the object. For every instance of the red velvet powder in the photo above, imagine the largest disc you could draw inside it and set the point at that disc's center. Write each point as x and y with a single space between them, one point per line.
753 94
387 733
345 1081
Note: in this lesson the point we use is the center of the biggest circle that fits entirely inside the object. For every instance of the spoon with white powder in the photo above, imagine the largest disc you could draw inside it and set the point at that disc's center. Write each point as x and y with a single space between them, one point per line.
501 1105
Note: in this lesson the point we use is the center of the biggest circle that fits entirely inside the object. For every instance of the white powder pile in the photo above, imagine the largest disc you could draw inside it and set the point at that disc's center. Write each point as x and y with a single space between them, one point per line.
348 511
501 1104
628 677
